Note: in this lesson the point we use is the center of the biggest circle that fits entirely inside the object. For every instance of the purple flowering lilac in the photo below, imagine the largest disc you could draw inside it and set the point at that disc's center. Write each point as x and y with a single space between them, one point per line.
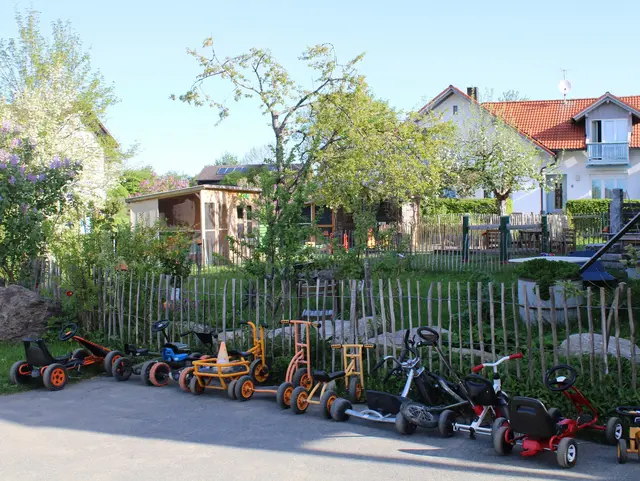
1 198
16 142
42 176
6 126
22 170
32 178
56 164
12 180
3 166
14 159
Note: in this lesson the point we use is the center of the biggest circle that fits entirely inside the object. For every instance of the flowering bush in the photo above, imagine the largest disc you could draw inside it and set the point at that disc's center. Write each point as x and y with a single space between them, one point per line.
161 183
30 195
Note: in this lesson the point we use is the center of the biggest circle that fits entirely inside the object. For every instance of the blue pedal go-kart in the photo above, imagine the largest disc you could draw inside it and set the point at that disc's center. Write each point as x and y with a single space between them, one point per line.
165 364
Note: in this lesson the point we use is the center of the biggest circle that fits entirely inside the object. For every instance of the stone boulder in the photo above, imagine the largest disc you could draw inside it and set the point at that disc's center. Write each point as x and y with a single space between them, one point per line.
397 338
598 341
23 313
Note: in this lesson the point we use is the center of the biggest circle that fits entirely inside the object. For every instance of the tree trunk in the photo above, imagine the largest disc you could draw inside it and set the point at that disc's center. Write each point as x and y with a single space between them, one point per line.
501 202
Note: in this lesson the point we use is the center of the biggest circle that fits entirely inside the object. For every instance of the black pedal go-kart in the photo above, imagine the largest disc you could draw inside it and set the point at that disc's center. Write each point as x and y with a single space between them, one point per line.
165 364
40 363
433 390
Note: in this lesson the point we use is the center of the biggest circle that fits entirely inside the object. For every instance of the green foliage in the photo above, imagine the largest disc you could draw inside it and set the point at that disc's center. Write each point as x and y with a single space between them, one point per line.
547 273
588 206
464 206
632 258
227 159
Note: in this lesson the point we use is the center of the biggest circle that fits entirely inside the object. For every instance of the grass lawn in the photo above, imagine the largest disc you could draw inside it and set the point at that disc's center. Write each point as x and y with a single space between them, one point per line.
11 352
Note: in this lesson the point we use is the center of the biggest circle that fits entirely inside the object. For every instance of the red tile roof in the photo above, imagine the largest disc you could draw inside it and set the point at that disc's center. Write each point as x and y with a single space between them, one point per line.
549 121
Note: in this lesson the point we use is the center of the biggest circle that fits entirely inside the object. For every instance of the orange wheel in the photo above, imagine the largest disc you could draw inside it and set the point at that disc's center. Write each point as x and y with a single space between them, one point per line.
185 377
55 377
195 387
283 395
258 371
299 400
326 401
355 390
303 378
159 374
244 388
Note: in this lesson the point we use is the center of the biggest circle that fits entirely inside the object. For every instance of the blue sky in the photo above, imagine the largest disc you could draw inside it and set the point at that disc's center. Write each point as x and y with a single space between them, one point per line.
414 49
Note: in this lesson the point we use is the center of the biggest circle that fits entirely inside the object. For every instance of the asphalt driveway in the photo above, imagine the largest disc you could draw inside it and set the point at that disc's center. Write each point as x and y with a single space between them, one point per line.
103 430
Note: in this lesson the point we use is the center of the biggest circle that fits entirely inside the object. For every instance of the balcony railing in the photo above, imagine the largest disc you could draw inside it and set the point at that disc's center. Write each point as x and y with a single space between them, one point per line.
607 153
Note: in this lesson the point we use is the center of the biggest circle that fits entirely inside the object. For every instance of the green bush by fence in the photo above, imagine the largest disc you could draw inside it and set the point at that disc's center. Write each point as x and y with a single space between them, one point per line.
465 206
588 206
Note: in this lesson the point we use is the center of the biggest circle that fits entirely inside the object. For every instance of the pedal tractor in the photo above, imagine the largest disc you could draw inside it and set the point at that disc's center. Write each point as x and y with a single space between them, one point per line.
633 445
298 372
541 430
53 370
301 397
258 369
490 403
354 376
157 371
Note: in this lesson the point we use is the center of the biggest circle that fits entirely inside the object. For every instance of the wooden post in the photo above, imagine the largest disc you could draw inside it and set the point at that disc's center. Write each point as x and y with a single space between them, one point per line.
383 317
430 321
632 330
480 332
470 311
492 320
617 326
130 307
540 332
545 233
529 336
554 330
592 353
439 286
504 238
460 324
605 338
393 317
514 302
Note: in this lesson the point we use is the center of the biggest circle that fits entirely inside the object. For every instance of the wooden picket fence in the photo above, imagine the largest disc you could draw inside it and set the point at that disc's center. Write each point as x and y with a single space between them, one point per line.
479 322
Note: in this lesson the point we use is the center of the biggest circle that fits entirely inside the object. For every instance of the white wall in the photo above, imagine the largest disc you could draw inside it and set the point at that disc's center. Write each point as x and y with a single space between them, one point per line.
145 210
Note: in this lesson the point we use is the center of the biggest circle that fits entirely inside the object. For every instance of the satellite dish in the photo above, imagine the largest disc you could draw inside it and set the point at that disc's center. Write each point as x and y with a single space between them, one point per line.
564 86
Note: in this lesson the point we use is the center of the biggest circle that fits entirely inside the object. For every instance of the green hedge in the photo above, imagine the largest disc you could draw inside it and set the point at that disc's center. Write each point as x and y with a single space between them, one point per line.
465 206
588 206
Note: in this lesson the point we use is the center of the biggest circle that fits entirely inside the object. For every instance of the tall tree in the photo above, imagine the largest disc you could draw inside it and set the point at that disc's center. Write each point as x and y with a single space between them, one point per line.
50 88
227 159
494 157
287 105
258 155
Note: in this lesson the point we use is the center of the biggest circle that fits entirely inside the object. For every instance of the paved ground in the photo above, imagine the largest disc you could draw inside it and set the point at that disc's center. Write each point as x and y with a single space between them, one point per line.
102 430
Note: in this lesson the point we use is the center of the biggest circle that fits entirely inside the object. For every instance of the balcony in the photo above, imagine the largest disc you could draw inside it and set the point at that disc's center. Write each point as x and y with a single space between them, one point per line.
608 153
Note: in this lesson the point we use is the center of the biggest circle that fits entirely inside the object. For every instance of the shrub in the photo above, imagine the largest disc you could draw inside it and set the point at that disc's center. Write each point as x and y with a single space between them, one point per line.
588 206
547 273
465 206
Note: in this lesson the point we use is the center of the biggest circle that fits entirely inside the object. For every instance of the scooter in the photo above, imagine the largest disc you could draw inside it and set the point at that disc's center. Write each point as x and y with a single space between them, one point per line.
490 402
386 408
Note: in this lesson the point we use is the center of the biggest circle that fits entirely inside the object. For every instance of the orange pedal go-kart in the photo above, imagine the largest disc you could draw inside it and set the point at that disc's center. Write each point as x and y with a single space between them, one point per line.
53 370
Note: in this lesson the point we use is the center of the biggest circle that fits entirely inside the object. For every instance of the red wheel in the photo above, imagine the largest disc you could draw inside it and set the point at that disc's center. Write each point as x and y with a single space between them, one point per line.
159 374
185 377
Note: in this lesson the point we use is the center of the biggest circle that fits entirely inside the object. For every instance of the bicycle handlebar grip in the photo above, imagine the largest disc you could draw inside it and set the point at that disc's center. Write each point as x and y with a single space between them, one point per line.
244 323
284 322
516 356
378 365
477 369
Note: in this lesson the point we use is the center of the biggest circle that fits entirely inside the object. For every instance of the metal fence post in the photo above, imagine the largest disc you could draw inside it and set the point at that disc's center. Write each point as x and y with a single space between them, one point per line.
504 238
545 233
465 238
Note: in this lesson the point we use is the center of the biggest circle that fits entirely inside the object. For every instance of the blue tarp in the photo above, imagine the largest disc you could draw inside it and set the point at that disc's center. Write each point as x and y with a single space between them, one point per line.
596 272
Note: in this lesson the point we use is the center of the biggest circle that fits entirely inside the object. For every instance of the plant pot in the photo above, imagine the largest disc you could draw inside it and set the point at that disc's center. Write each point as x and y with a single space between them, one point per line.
529 286
633 272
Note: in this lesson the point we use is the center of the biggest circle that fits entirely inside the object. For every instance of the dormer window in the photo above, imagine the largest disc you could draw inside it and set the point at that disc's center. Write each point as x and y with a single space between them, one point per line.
455 110
609 141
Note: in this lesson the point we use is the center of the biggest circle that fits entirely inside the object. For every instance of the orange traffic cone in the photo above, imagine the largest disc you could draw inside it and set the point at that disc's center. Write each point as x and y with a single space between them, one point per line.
223 357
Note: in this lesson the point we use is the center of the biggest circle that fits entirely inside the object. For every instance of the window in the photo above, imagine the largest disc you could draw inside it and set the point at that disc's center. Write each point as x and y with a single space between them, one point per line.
609 131
603 188
209 216
455 110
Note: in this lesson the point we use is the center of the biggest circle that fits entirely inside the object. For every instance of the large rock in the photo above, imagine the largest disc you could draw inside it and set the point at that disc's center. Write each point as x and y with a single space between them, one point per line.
598 341
23 313
397 338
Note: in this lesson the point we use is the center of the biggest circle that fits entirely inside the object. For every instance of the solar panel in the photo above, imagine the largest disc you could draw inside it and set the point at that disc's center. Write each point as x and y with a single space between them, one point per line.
222 170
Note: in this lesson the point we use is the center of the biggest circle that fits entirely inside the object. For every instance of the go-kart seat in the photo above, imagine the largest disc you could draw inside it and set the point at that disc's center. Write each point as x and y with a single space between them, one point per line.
234 352
529 416
323 376
38 354
177 347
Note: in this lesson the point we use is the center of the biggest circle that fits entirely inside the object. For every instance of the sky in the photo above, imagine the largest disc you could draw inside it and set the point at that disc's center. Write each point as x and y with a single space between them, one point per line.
413 50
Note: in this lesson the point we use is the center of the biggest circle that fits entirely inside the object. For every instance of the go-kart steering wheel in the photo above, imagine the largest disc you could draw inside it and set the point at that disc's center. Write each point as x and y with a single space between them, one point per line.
68 331
160 326
428 335
559 384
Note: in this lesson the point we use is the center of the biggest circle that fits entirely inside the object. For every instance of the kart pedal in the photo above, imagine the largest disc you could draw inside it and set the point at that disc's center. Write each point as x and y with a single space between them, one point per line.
472 433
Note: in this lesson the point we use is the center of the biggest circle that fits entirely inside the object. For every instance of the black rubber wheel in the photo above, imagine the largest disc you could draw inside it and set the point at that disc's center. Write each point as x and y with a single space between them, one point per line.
339 410
355 390
403 425
303 378
299 400
326 401
446 422
80 353
283 395
144 372
195 387
622 454
244 388
258 372
419 415
500 443
498 423
109 359
555 414
122 369
614 430
567 454
231 389
55 377
14 373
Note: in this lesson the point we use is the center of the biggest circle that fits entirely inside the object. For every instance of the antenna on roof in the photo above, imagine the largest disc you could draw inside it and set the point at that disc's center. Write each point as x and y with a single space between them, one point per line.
564 86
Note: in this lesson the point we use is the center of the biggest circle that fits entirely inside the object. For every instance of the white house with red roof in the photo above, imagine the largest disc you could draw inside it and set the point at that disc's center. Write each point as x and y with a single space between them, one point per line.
594 144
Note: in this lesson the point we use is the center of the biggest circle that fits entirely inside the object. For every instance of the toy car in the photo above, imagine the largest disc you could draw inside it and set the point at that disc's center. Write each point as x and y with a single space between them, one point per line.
633 445
53 370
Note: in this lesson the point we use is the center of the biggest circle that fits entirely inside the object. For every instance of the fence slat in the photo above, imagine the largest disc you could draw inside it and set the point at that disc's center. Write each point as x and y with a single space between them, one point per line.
515 327
554 327
480 329
540 332
632 330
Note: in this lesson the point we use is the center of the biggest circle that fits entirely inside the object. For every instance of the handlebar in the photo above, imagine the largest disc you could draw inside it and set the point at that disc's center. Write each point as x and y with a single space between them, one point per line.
480 367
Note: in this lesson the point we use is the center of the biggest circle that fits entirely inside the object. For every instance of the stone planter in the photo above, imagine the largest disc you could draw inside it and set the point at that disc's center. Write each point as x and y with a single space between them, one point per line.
633 272
529 286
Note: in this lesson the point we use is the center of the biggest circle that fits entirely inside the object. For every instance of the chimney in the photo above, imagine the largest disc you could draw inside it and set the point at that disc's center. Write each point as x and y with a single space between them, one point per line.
473 93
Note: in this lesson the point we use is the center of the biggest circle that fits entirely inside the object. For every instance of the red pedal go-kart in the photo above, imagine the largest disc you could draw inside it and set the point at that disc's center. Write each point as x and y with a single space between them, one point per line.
53 369
541 430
